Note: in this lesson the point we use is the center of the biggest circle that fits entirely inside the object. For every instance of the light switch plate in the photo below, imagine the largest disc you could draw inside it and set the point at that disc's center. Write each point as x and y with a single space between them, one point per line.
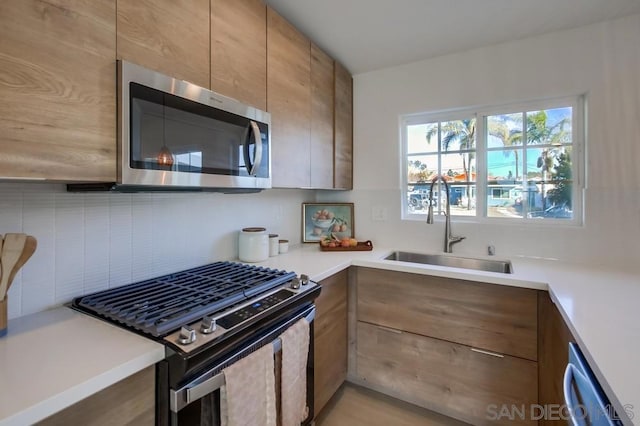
379 214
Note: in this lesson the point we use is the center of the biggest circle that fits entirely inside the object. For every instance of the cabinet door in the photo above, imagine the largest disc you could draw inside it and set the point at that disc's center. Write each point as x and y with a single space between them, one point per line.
239 50
553 353
330 339
446 377
58 90
492 317
132 401
171 37
321 119
289 102
343 139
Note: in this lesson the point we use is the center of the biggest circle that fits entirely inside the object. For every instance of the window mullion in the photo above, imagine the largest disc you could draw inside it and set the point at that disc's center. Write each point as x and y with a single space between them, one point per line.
481 166
525 171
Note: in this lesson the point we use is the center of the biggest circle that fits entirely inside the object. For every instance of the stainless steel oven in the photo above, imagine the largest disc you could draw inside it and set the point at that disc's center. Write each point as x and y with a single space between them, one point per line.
207 318
195 399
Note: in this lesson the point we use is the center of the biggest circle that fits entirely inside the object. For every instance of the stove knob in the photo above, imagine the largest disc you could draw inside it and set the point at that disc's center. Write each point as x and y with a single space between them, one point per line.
304 279
187 335
295 283
208 325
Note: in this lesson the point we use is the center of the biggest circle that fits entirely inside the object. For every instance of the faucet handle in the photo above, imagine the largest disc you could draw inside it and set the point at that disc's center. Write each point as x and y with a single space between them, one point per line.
455 239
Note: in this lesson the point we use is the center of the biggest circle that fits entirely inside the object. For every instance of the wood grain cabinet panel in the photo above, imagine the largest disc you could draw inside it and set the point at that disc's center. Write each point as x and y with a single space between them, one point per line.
289 102
343 128
445 377
496 318
57 86
239 50
330 339
321 119
553 354
171 37
128 402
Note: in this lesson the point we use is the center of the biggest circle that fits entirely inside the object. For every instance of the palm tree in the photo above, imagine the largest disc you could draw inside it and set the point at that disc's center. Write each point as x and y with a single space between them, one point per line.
464 133
539 133
510 137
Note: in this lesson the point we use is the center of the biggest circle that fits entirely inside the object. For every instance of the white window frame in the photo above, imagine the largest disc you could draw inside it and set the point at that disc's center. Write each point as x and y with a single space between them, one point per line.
578 155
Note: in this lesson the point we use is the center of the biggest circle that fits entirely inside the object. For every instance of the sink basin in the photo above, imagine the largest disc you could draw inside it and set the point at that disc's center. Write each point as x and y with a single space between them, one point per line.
501 266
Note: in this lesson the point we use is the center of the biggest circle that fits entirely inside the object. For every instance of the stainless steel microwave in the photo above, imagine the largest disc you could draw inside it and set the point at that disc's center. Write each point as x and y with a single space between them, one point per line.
174 135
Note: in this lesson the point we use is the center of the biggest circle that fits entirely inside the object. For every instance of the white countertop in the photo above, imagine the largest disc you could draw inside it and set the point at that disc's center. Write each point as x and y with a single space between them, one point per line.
55 358
599 305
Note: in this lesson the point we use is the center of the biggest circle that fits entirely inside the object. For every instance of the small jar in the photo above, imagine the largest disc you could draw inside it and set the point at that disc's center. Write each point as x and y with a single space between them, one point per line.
253 245
273 245
283 246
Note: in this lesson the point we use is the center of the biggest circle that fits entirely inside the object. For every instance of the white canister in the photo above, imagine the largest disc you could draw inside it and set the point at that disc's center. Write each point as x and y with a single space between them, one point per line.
253 245
283 246
273 245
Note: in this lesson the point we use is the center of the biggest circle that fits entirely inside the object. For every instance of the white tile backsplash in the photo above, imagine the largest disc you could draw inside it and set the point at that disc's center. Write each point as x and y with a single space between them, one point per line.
94 241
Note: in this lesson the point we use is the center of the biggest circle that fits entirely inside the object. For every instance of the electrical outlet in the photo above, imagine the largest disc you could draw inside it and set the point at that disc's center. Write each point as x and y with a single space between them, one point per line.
379 214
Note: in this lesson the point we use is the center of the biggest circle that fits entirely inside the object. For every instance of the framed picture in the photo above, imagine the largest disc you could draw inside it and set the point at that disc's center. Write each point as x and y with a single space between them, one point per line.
323 219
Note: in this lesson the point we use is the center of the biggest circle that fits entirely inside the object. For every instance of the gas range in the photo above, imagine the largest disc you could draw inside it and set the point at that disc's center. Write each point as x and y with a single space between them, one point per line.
194 309
208 318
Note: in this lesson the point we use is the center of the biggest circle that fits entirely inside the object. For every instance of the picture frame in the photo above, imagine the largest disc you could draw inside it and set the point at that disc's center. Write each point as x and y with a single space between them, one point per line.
322 219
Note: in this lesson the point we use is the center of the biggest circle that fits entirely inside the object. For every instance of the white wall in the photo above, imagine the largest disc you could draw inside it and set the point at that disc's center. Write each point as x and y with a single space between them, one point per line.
601 61
90 242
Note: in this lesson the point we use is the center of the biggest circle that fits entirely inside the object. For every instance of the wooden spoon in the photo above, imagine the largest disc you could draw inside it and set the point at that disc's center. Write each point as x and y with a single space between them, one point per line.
1 241
11 251
29 248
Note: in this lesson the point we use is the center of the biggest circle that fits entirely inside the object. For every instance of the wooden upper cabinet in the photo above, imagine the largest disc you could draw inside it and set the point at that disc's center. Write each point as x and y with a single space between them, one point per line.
171 37
239 50
57 86
289 102
321 119
343 128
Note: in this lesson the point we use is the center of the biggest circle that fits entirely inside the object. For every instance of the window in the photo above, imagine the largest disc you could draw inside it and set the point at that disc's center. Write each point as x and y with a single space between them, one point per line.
513 163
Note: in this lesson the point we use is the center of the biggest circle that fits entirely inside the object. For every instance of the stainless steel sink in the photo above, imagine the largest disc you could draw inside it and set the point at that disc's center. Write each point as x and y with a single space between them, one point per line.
502 266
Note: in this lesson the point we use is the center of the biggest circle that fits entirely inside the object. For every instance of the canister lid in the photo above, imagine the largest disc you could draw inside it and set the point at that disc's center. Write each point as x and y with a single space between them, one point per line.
254 229
273 235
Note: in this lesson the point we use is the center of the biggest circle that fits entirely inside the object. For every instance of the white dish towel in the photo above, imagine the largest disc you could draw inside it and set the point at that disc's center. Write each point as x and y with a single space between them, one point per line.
295 350
248 397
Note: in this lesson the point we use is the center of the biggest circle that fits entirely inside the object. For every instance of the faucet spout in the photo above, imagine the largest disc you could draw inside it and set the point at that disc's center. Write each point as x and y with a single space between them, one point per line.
449 238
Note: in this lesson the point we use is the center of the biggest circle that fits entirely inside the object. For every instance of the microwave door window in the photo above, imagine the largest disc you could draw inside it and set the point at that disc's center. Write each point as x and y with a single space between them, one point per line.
197 138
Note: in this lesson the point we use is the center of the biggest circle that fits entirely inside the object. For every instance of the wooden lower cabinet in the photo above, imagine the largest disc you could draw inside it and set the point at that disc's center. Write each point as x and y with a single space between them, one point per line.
446 377
128 402
330 339
493 317
553 354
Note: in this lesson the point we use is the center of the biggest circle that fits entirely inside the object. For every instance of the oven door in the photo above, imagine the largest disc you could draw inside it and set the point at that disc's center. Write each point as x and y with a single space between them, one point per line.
201 394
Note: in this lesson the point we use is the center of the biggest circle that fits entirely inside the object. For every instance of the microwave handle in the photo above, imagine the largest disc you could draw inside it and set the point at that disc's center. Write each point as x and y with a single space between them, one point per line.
257 157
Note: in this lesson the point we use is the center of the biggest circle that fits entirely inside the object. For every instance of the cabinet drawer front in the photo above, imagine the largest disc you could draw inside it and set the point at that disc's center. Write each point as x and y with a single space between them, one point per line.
446 377
492 317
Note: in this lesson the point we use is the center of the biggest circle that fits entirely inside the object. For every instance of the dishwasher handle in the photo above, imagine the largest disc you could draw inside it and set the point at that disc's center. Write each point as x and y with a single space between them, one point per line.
592 411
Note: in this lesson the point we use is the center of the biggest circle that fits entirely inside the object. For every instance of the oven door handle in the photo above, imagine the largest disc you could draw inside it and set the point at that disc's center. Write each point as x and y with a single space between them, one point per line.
182 397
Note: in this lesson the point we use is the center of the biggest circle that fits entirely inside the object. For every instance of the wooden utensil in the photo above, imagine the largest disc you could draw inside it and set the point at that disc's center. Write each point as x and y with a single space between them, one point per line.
30 246
1 242
11 252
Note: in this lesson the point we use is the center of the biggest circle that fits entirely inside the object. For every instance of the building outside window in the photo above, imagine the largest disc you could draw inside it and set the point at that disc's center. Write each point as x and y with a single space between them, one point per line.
517 163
